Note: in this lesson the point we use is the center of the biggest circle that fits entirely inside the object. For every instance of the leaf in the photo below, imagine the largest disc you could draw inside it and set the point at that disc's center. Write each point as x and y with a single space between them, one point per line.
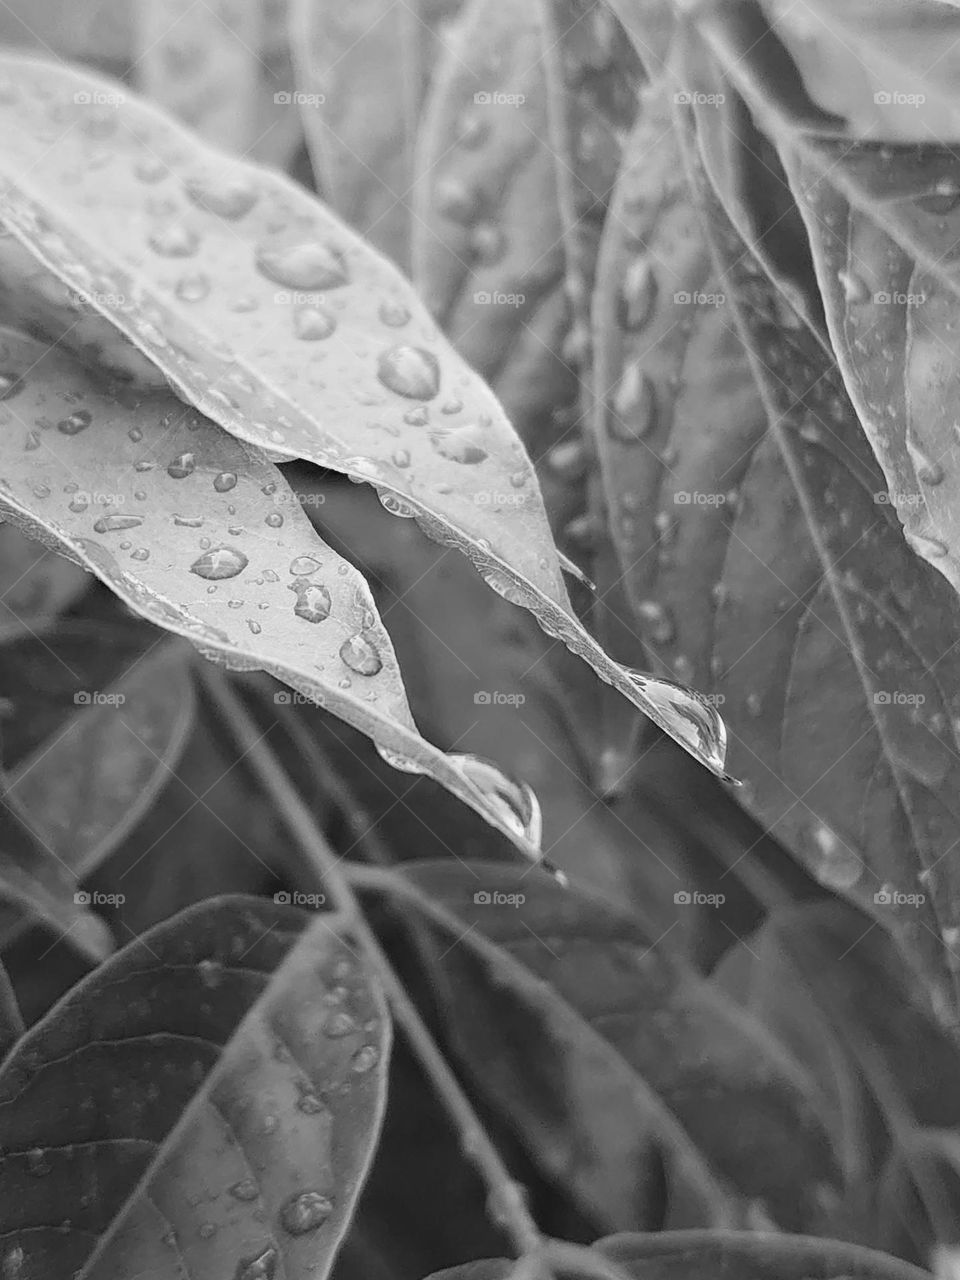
202 65
211 513
35 586
228 1071
92 785
771 573
724 1255
634 1048
465 476
360 72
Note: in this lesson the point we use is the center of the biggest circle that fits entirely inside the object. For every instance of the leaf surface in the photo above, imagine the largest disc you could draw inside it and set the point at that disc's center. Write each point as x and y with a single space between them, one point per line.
184 252
206 1103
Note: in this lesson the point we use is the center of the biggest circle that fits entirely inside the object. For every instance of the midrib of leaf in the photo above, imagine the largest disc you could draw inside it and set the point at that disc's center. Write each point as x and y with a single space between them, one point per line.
785 445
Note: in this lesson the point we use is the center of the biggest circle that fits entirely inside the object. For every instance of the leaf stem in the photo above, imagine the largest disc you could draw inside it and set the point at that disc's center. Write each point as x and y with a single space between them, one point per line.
506 1197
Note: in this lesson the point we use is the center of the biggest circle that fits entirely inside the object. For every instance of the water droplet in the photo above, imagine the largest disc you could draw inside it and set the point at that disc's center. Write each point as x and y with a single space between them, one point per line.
515 802
76 423
400 458
929 548
174 241
409 371
255 627
262 1267
141 554
113 524
10 385
459 444
689 718
303 566
311 324
225 481
638 294
394 313
37 1163
274 520
838 866
366 1057
455 200
220 562
313 601
487 243
854 288
655 621
396 506
634 408
227 196
339 1024
417 417
182 466
211 972
361 656
305 1212
309 264
192 288
246 1190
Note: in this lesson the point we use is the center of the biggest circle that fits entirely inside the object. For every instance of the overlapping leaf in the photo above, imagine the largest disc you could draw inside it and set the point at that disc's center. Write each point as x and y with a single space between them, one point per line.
766 565
184 252
627 1031
205 1103
35 586
199 533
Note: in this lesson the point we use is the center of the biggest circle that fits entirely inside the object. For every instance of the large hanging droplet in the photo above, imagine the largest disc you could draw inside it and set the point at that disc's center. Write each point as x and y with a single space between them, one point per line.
225 481
516 802
303 566
114 524
182 466
460 444
313 600
228 197
220 562
309 264
360 655
305 1212
262 1267
409 371
688 717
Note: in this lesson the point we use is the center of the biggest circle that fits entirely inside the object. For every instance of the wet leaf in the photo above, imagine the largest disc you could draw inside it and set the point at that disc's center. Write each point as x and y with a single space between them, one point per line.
93 783
202 65
207 1101
408 415
199 534
725 1255
35 586
625 1030
789 586
360 75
